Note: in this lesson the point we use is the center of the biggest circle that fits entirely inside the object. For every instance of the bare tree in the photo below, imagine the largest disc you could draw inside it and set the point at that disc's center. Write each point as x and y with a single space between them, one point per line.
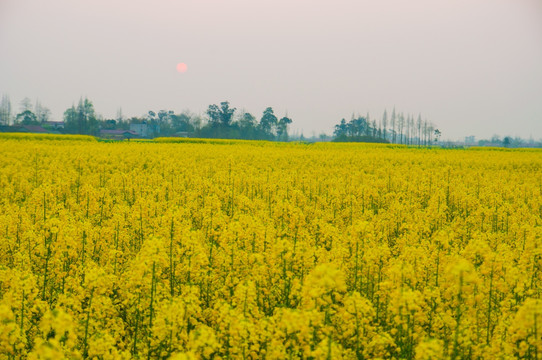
401 126
42 113
384 124
25 105
5 110
407 132
392 123
425 132
418 129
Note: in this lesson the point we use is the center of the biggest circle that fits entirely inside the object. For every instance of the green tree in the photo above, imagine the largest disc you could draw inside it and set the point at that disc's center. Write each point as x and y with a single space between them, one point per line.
268 122
437 134
247 121
282 128
226 113
220 115
181 122
81 119
341 128
70 120
213 111
357 126
109 124
27 117
248 127
158 123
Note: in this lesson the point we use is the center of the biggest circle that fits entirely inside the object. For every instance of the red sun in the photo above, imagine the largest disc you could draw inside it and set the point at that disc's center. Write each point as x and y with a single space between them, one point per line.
181 67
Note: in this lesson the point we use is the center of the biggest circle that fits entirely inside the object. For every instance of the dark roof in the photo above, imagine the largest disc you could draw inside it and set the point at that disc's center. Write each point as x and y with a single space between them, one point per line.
118 132
34 128
23 128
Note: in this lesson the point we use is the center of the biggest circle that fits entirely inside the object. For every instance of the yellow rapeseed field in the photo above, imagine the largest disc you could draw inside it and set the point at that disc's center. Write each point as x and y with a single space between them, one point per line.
254 250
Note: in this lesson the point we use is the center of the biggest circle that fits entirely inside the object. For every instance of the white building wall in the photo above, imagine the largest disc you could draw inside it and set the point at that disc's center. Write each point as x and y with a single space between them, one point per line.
140 129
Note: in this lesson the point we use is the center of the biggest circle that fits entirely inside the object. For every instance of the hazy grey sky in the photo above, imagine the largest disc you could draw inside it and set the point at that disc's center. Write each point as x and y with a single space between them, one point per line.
473 67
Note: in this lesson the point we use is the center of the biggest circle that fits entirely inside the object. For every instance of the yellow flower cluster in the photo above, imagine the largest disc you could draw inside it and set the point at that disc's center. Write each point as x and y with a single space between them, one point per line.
254 250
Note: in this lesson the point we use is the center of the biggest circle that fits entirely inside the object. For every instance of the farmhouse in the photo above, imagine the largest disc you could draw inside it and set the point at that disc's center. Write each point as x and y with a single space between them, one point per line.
118 134
23 128
145 129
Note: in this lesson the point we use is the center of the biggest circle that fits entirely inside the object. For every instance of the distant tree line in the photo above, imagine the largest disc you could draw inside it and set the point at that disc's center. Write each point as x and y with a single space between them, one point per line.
219 121
507 141
221 124
28 114
223 121
397 129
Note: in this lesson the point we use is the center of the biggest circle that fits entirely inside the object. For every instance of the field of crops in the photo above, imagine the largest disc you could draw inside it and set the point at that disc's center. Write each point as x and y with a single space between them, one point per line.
253 250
